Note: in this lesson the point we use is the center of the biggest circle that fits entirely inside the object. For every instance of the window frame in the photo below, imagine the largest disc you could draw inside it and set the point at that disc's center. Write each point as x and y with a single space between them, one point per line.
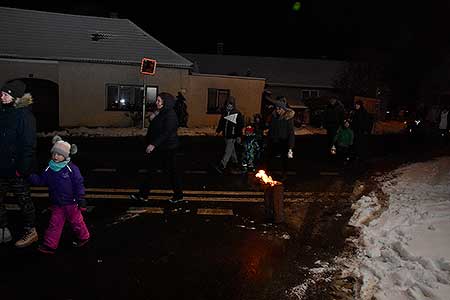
136 87
310 91
218 106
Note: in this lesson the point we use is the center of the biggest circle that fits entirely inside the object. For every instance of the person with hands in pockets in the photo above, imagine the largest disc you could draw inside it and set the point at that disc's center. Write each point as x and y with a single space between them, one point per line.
66 191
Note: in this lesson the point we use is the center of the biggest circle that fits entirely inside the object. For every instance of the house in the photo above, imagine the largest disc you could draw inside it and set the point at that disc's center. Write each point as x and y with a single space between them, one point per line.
85 71
296 79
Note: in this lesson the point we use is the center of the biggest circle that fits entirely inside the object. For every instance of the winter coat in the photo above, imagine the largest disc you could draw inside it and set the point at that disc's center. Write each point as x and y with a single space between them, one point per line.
333 115
361 121
440 119
230 129
282 128
17 137
65 187
344 137
162 131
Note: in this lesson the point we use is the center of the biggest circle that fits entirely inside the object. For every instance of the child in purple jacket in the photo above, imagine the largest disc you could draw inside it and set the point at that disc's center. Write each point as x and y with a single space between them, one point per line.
66 192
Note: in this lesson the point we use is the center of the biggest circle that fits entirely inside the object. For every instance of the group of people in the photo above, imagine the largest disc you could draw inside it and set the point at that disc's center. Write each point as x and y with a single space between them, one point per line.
258 150
347 135
63 178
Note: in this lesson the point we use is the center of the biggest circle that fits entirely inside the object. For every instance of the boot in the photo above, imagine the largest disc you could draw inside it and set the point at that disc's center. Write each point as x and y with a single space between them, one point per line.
5 235
29 237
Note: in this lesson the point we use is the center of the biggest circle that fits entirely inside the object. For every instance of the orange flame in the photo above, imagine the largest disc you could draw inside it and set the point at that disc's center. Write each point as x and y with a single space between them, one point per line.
265 178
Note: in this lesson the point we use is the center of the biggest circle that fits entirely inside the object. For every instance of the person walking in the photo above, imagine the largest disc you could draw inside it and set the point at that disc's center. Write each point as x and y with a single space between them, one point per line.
333 118
181 110
361 126
230 125
17 150
66 191
161 148
281 137
250 155
343 141
444 124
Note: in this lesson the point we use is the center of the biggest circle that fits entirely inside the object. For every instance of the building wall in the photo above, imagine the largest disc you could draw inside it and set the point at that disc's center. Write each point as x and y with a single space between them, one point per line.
82 89
22 68
83 94
246 90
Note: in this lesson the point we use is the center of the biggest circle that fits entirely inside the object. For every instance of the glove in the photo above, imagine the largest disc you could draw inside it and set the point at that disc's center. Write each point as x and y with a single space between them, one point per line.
82 205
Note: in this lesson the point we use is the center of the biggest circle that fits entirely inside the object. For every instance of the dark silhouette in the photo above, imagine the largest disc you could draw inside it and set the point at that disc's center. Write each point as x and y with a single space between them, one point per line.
181 110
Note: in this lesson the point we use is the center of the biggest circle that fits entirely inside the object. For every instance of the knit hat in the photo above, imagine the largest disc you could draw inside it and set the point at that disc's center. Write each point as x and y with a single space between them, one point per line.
63 148
15 88
249 130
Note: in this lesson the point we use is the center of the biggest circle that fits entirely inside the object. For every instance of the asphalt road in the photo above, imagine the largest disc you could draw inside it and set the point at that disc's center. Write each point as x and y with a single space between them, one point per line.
218 246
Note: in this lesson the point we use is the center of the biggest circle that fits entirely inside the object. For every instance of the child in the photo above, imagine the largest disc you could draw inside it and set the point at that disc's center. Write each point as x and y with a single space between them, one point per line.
66 192
343 140
251 149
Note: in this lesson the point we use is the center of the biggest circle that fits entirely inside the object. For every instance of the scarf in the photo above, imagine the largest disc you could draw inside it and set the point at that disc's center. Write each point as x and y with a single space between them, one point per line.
58 166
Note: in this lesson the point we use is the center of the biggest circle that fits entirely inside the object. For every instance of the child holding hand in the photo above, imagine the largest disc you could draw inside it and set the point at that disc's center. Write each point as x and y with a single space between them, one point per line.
66 192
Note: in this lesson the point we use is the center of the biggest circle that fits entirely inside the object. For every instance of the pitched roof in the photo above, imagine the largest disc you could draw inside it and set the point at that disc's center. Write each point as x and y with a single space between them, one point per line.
317 73
32 34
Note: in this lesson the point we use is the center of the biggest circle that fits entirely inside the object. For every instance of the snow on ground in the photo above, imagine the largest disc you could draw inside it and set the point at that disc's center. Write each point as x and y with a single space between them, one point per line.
380 128
405 252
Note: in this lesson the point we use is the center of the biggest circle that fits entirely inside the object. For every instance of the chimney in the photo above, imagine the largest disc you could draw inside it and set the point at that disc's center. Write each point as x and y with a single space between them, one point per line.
220 47
113 14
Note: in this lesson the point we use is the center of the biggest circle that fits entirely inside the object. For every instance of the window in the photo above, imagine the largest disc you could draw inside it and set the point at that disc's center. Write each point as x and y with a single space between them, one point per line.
216 100
306 94
129 97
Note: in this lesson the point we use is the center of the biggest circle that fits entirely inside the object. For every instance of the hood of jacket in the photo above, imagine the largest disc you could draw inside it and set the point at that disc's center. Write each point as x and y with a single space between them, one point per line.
24 101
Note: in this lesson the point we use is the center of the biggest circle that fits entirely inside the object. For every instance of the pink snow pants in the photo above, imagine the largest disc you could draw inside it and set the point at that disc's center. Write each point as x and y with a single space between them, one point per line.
60 214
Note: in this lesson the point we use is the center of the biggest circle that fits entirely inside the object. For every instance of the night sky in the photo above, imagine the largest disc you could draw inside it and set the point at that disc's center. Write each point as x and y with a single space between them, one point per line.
318 28
409 37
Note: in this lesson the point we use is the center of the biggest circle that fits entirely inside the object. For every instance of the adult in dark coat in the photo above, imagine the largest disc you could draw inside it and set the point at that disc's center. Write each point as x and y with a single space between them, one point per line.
161 147
281 137
181 110
17 149
333 118
362 126
230 125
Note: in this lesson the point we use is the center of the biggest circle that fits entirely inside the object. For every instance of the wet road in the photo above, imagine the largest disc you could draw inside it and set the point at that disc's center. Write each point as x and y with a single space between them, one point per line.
220 246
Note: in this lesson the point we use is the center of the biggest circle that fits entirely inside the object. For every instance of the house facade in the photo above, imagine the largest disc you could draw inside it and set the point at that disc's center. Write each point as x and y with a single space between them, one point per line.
296 79
85 71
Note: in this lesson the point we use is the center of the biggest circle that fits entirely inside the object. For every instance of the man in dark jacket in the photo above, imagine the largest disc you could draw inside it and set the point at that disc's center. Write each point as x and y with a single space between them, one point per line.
17 147
161 147
230 125
281 137
362 127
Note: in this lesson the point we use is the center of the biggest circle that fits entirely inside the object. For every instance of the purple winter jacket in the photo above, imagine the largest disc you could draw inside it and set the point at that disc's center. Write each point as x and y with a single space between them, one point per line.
65 187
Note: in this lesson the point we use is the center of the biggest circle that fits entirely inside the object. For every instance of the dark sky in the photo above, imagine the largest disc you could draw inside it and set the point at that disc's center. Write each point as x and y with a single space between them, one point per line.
320 28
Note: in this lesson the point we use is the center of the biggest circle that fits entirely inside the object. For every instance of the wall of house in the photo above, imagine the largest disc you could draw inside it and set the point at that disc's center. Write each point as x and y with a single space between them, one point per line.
246 90
24 68
294 93
83 94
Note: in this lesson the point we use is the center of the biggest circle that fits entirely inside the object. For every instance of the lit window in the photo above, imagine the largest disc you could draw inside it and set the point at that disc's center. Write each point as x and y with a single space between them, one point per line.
129 97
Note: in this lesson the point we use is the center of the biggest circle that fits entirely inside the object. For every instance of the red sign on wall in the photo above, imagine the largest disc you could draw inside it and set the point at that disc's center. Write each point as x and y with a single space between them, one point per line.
148 66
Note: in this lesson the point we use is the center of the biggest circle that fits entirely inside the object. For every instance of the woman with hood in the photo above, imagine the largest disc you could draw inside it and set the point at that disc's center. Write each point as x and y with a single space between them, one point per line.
281 137
161 147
